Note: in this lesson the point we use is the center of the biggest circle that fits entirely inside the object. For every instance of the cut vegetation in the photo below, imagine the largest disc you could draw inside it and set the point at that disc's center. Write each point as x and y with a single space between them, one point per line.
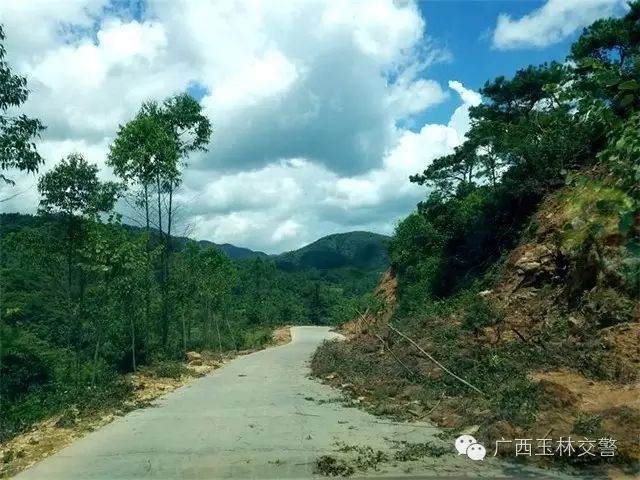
516 312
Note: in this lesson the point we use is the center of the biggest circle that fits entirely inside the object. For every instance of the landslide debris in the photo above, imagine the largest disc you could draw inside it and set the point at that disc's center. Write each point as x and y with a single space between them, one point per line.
551 336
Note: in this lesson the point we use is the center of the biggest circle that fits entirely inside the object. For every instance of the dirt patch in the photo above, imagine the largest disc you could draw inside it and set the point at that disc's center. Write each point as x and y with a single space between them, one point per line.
385 291
46 438
589 395
592 409
282 335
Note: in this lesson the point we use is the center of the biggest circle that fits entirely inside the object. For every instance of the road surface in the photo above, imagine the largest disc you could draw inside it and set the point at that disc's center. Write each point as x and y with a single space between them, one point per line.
260 416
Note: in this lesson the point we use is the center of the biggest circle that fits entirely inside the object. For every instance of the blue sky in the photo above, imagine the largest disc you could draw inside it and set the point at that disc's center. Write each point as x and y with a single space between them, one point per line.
465 29
320 109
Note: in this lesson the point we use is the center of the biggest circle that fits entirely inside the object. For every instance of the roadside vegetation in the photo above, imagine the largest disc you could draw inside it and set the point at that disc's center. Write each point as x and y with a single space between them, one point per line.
89 301
520 271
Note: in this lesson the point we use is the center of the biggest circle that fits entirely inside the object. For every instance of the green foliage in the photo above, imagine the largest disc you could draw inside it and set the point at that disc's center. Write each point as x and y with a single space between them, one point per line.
360 250
622 155
416 451
73 188
17 132
150 147
606 307
415 252
257 337
479 313
593 209
588 424
167 369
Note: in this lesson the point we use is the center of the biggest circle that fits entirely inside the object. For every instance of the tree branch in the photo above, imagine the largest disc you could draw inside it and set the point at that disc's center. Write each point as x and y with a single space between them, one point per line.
435 361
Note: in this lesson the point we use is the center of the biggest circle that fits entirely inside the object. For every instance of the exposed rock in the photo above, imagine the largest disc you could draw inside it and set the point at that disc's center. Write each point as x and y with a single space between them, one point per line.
535 259
194 358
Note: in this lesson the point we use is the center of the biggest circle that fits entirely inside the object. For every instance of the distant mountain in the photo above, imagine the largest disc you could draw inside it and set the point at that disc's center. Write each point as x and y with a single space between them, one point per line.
361 250
10 222
233 252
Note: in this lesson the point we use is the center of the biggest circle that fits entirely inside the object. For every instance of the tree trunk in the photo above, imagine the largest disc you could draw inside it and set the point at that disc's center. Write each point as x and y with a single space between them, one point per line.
147 285
209 325
233 338
165 271
95 358
218 331
184 335
133 339
71 317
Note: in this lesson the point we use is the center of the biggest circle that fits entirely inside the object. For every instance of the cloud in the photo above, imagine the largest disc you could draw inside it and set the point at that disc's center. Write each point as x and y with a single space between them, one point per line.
551 23
307 100
460 121
288 203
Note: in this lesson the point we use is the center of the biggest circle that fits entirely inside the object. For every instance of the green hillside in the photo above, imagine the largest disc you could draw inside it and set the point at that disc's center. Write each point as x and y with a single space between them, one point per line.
361 250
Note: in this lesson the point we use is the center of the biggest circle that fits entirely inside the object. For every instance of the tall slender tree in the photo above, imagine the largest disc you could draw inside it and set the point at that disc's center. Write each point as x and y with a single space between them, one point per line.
72 189
149 151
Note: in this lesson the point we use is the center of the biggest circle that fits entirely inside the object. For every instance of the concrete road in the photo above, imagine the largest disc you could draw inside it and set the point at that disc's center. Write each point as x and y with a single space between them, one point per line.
260 416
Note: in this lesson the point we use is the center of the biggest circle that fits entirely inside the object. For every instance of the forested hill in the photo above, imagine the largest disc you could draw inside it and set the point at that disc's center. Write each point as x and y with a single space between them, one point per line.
361 250
10 222
233 252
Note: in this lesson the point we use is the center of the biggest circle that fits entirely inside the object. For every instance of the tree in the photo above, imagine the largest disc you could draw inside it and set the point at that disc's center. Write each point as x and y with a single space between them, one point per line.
17 149
149 151
118 263
607 57
447 172
73 190
218 277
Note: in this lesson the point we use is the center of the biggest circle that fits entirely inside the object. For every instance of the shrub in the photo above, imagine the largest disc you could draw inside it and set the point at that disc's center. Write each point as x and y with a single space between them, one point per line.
588 424
257 337
167 369
479 313
606 307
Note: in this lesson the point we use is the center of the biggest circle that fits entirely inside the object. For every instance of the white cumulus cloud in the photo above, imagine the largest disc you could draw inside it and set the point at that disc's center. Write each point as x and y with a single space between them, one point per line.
551 23
307 100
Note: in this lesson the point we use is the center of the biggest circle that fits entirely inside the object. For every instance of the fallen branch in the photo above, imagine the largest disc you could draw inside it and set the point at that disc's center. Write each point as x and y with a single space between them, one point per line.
363 318
435 406
519 335
435 361
384 344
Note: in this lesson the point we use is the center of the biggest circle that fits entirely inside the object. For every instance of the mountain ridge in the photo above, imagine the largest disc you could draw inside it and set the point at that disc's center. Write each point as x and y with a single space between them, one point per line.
359 248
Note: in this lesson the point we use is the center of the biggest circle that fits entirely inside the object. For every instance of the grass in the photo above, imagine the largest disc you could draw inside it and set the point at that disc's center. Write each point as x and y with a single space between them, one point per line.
366 457
330 466
167 369
592 204
588 425
416 451
258 337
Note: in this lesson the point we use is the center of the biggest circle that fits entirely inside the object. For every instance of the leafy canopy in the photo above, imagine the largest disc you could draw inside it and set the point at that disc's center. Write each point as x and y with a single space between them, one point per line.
17 131
72 187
